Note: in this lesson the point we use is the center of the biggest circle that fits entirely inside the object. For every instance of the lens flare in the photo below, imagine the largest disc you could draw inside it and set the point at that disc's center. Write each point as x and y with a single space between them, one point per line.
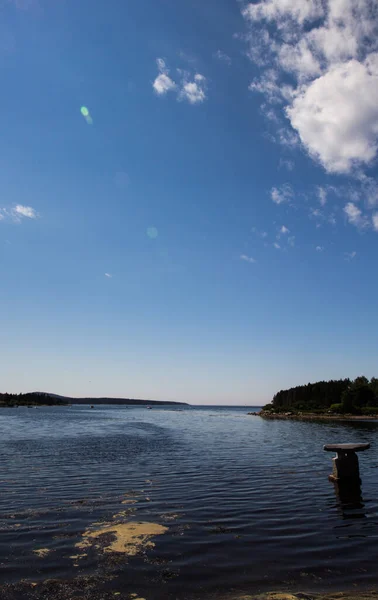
86 114
152 233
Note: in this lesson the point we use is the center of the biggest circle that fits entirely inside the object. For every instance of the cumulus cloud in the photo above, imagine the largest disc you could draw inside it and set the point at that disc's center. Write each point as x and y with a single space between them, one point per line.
192 89
325 74
281 194
163 83
247 258
375 221
284 230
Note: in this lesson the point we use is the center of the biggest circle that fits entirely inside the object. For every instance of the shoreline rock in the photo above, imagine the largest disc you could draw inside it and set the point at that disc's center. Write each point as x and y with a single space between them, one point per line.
312 416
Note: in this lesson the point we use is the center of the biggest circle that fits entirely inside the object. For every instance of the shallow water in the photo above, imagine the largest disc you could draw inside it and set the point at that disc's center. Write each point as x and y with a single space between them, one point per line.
247 502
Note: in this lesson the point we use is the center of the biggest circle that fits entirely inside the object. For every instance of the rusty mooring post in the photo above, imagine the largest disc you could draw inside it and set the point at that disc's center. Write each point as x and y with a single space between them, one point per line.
345 463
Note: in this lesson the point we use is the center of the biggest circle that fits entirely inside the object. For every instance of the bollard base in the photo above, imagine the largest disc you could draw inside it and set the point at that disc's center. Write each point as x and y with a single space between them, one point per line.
345 466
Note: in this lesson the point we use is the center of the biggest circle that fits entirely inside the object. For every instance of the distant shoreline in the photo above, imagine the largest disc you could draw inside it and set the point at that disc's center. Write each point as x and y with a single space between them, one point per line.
47 399
312 416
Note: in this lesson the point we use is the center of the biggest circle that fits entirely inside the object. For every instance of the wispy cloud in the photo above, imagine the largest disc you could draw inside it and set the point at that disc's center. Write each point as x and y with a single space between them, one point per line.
18 213
223 57
248 259
108 275
287 164
24 211
322 195
319 248
276 245
284 230
190 88
355 216
281 194
262 234
350 255
375 221
327 50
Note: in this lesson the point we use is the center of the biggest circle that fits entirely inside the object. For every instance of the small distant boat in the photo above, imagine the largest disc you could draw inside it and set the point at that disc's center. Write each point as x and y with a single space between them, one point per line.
149 407
92 406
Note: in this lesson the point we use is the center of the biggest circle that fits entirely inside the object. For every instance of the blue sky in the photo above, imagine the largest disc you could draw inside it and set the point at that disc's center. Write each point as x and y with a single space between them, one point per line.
189 196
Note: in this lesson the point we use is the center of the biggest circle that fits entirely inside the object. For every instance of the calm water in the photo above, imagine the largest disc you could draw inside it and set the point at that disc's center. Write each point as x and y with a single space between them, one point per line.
247 501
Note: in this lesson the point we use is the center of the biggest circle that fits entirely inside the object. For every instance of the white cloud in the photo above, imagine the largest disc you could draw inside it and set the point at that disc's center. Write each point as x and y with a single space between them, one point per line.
24 211
247 258
336 115
222 56
281 194
108 275
355 216
330 49
163 83
284 230
350 255
295 10
276 245
319 248
375 221
193 91
322 195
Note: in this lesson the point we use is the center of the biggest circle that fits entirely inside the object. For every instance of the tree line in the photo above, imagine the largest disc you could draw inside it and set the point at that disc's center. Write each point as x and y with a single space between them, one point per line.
340 396
33 398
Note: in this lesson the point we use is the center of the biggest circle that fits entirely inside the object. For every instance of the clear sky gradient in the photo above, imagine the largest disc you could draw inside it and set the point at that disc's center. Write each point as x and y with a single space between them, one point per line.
189 196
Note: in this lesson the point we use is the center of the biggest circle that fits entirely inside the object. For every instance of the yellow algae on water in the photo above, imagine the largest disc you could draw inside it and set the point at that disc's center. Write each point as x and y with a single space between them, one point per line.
128 538
42 552
129 501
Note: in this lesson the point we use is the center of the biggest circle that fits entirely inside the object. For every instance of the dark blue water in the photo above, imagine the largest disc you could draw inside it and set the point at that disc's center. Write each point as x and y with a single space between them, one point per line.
247 502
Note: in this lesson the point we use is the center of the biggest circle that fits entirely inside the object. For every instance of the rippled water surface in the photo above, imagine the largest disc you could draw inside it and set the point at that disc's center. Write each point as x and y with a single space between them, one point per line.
247 502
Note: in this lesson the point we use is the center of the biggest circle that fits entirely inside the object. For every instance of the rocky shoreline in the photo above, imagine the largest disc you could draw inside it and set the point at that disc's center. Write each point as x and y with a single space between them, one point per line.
300 596
312 416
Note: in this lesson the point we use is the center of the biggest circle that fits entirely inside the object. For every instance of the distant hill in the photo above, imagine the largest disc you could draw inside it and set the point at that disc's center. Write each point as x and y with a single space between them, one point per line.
44 398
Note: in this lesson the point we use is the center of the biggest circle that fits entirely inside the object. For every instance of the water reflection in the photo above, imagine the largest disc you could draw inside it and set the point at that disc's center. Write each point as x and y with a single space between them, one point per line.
349 499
